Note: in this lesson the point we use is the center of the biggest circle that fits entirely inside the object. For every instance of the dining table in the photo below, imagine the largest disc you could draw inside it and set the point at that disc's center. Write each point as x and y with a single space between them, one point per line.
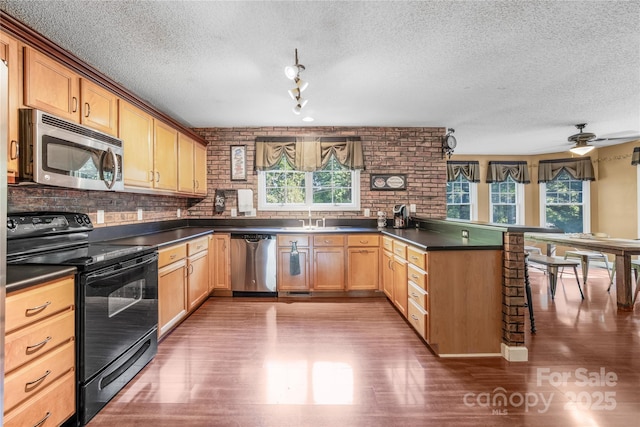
623 249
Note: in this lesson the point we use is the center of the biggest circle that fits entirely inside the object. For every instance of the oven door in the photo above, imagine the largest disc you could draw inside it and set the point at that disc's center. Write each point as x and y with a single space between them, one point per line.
118 306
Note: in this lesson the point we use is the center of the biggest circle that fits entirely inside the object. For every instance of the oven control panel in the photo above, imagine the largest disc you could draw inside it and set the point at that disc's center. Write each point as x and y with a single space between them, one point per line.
31 224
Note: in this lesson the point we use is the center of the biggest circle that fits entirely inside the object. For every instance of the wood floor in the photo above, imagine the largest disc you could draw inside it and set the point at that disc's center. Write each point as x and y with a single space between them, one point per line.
357 363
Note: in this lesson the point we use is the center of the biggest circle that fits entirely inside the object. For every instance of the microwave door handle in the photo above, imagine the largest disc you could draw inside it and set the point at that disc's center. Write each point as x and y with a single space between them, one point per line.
111 183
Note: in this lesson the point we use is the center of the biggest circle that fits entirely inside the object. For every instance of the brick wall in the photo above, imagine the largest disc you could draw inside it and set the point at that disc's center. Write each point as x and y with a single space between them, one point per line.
413 151
513 292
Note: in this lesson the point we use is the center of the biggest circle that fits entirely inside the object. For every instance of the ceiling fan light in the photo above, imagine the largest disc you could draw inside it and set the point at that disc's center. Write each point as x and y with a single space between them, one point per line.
582 149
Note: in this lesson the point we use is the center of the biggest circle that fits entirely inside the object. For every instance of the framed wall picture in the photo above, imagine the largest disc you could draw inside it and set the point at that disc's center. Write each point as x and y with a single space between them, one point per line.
238 163
389 182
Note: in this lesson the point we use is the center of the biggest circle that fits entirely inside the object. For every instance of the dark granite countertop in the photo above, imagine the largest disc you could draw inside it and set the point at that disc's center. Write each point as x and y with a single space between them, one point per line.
437 241
23 276
165 238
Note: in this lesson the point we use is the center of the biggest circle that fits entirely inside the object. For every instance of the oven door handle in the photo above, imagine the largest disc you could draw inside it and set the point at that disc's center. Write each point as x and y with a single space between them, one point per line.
125 266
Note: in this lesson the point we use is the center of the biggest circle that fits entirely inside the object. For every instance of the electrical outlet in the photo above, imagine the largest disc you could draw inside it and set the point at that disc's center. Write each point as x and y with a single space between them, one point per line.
234 212
100 217
139 214
178 213
465 234
367 212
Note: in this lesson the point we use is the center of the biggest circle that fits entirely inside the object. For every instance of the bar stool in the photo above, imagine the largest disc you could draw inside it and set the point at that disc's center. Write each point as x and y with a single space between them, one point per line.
527 290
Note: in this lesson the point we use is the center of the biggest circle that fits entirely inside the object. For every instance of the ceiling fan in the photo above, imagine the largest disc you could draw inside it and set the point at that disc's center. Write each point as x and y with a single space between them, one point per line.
582 140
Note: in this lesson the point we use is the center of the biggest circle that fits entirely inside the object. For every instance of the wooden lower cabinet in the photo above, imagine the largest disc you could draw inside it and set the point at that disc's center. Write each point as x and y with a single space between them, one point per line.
400 294
328 262
387 274
197 279
220 262
39 381
287 281
363 262
172 298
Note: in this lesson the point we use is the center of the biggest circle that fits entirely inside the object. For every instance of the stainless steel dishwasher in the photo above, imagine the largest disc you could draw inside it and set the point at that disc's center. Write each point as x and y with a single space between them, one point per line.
253 265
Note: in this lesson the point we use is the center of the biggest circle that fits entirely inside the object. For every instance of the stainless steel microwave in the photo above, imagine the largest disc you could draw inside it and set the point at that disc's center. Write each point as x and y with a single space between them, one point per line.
58 152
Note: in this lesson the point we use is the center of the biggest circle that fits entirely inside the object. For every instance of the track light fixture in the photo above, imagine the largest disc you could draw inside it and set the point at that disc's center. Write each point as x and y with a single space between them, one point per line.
293 73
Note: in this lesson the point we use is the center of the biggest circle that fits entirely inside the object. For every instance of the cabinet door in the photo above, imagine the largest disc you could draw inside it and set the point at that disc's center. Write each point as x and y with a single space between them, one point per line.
165 157
387 274
200 168
363 269
400 293
50 86
186 176
328 268
9 52
99 108
136 132
172 298
288 282
220 262
197 279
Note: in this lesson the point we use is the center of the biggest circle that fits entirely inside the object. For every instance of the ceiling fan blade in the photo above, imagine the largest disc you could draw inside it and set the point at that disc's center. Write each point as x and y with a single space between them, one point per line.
618 139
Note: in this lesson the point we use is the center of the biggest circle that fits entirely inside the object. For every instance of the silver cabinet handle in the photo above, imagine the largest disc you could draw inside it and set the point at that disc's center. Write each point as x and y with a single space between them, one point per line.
151 176
40 344
30 383
413 294
87 109
157 176
75 104
15 148
413 276
38 308
413 316
364 242
39 423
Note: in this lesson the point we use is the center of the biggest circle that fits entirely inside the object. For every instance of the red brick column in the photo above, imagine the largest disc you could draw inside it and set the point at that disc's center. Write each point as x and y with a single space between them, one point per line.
513 294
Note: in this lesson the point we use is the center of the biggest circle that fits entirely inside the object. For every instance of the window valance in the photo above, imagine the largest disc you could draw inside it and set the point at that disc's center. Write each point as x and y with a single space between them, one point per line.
580 169
635 157
308 154
469 169
498 171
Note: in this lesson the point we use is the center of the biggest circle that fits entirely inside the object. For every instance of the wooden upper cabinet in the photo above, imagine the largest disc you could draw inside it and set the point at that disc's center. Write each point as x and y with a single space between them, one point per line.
192 166
136 131
9 53
50 86
200 168
186 181
165 155
99 107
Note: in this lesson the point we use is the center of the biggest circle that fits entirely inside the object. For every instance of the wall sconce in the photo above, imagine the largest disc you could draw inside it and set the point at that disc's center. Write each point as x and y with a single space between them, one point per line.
448 143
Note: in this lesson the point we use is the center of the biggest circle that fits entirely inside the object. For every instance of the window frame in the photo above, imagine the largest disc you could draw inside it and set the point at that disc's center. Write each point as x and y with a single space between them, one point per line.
473 199
586 204
519 204
309 205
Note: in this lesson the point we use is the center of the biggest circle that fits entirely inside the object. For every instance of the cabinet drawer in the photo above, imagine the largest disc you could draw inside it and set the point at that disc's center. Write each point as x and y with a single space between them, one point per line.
36 340
329 240
171 254
197 245
400 249
419 319
286 239
50 408
418 277
363 240
417 257
419 295
31 379
387 243
38 302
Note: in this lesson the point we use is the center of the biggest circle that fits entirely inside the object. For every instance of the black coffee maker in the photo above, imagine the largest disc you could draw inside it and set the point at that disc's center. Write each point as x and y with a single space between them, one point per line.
400 216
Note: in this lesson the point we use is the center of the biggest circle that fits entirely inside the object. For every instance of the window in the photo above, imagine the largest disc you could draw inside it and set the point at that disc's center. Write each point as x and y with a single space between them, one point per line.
334 187
565 203
505 200
461 199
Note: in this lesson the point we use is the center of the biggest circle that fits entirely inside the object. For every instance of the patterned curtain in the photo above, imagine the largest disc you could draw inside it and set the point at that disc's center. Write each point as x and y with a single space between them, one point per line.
635 157
308 153
499 171
470 170
580 169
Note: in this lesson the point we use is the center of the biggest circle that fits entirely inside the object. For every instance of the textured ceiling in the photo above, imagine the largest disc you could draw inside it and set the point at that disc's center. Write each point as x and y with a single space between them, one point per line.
511 77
